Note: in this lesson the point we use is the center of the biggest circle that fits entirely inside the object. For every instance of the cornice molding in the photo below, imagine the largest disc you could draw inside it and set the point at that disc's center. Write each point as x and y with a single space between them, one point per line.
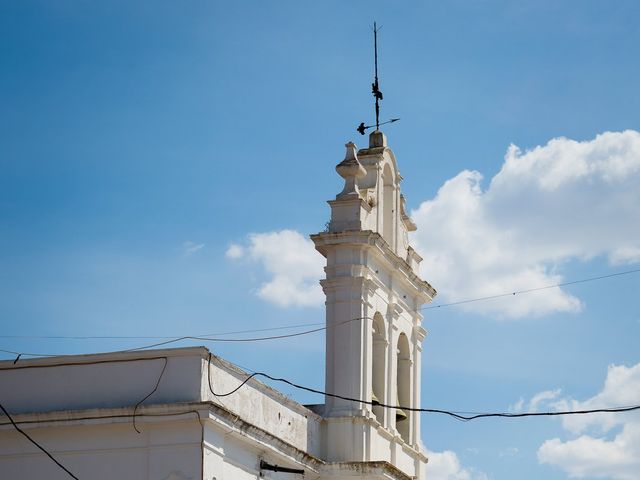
374 242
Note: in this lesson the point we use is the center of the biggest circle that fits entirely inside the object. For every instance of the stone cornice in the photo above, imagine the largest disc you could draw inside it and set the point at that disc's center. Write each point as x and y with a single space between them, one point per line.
353 201
395 310
370 239
420 332
341 282
376 469
391 435
370 286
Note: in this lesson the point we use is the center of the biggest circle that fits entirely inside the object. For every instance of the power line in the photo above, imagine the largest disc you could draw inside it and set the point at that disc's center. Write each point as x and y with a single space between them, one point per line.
165 337
95 417
456 415
4 410
204 339
210 338
179 339
529 290
176 338
155 388
100 417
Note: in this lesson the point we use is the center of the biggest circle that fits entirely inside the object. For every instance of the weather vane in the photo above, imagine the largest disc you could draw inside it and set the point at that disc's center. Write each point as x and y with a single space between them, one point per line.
375 88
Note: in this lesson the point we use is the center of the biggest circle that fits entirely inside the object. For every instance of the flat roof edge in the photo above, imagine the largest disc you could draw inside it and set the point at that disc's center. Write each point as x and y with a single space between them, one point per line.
89 358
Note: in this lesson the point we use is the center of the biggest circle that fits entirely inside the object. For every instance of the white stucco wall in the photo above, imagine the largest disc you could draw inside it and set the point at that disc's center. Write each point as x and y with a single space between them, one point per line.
80 408
103 451
121 380
101 381
263 406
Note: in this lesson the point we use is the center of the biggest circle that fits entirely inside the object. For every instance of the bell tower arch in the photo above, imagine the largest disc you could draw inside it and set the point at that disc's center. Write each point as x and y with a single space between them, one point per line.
374 325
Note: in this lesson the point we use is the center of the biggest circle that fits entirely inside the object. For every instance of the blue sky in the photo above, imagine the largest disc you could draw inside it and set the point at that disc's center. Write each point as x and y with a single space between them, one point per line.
139 142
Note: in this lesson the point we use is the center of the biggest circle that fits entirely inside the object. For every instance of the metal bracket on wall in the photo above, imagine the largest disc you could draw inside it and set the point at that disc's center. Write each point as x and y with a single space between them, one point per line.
276 468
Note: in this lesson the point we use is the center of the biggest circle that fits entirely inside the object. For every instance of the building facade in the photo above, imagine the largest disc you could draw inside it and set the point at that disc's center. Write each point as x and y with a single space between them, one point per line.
178 414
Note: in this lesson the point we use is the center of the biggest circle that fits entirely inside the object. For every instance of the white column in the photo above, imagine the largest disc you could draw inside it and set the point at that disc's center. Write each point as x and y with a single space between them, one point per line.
419 334
345 345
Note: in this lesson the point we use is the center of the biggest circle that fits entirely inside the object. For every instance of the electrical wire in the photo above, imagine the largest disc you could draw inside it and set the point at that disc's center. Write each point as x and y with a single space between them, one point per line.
206 337
20 354
97 362
76 364
96 417
100 417
166 337
530 290
4 410
456 415
203 339
231 340
174 340
155 388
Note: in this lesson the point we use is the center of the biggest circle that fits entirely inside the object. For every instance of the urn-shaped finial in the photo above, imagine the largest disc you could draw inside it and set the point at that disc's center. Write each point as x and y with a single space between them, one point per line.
350 169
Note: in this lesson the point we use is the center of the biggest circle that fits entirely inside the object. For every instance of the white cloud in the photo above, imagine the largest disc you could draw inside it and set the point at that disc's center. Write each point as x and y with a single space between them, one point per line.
541 398
189 248
587 456
509 452
609 444
518 407
562 201
621 388
234 252
292 264
446 466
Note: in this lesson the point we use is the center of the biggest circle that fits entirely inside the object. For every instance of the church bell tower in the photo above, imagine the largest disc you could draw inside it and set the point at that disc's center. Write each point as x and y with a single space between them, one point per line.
374 325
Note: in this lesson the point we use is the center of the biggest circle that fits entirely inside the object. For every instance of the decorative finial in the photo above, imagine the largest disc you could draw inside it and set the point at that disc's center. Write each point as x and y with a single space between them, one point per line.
375 88
350 169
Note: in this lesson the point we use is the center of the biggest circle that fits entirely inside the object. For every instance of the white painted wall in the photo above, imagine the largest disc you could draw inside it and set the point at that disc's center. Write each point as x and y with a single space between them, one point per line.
80 409
103 451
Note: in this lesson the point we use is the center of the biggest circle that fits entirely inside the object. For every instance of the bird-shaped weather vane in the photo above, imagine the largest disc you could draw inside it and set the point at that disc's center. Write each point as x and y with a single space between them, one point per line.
375 88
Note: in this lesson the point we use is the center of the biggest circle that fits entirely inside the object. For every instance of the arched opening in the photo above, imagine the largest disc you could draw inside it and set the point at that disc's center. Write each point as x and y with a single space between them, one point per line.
403 417
387 205
378 366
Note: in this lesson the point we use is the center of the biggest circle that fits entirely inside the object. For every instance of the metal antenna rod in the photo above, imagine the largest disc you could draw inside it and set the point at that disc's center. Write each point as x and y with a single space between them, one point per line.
374 88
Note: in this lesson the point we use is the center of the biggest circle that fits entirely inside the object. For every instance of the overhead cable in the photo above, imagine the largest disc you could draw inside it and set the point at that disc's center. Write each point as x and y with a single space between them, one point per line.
203 339
209 338
175 340
94 417
456 415
155 388
172 339
4 410
159 337
530 290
